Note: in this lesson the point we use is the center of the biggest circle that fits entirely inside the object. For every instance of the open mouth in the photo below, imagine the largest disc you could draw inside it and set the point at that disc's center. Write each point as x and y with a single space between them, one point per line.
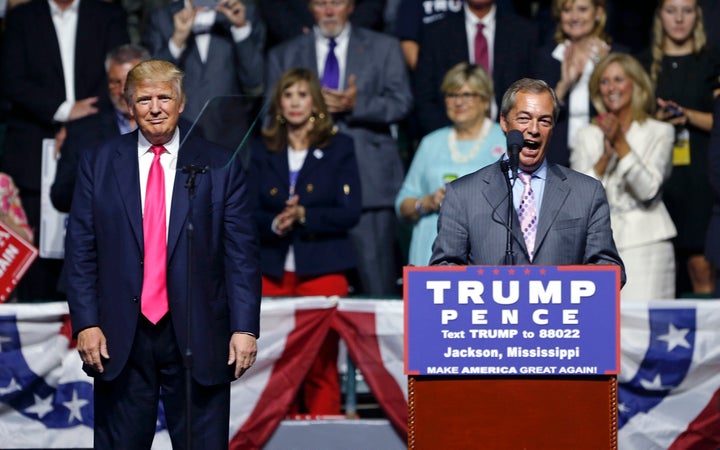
531 145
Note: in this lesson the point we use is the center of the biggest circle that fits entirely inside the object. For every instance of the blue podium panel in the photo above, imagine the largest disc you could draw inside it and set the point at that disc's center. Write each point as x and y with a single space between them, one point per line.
512 320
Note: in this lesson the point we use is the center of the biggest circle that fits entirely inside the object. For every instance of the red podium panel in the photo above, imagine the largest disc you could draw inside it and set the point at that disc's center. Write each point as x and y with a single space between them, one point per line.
512 413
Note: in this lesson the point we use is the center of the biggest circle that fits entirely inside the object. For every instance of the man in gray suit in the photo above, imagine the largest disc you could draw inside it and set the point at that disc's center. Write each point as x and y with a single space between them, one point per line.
220 50
572 217
371 94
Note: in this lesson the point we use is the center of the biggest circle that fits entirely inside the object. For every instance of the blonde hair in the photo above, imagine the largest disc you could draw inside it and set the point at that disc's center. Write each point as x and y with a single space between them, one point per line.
154 70
471 74
642 103
275 134
699 39
598 30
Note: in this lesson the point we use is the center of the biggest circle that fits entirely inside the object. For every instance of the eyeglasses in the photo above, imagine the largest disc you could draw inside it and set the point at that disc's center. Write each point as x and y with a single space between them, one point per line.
335 4
464 96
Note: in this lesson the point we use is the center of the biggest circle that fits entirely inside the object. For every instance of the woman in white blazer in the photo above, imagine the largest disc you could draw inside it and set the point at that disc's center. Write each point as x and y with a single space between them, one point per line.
630 153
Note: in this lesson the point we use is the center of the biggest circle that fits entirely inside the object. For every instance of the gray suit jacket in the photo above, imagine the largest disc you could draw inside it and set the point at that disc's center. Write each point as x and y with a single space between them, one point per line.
383 98
230 69
573 227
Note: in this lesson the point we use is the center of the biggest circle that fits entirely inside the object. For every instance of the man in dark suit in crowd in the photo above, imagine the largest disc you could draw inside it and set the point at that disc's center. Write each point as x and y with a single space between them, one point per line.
127 276
52 73
481 33
570 217
91 130
371 93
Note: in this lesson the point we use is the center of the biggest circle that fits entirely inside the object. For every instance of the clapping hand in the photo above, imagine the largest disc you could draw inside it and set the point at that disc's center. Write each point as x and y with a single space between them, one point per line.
235 11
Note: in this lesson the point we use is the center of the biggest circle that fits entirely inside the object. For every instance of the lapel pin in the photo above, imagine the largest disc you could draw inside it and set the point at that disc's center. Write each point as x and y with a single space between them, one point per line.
274 191
318 154
346 189
310 188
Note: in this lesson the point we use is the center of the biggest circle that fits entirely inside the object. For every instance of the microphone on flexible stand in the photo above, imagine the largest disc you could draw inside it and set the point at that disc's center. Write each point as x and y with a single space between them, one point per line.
514 145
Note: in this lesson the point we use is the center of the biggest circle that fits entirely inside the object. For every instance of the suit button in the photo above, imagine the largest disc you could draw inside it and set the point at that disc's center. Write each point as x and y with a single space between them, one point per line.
142 262
136 299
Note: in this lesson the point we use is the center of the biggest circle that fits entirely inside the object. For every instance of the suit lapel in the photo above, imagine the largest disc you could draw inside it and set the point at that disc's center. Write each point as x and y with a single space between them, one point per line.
189 155
497 197
556 192
356 57
128 180
312 161
278 162
307 57
47 37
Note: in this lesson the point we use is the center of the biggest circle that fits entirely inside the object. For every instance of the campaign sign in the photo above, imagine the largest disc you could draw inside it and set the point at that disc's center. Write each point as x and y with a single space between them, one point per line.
16 256
508 320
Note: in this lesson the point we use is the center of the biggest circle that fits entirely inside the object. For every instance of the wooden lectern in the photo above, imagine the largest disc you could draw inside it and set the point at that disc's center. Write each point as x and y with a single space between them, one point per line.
472 318
516 413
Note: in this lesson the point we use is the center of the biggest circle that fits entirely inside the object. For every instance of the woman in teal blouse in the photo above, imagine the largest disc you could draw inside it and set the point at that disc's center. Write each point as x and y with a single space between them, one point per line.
472 142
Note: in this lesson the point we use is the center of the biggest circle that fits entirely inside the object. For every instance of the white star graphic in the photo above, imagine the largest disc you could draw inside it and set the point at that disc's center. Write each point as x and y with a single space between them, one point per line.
654 385
4 339
11 387
75 405
675 337
622 408
41 407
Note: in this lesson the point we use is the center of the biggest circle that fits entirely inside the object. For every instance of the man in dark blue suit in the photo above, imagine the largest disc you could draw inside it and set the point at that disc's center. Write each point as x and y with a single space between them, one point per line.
511 41
135 354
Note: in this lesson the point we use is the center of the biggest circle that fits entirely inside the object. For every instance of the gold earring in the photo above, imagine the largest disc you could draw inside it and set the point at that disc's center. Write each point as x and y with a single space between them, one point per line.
280 119
312 119
321 115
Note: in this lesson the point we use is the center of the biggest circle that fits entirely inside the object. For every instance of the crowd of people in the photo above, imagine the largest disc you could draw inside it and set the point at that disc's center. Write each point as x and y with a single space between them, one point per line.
374 108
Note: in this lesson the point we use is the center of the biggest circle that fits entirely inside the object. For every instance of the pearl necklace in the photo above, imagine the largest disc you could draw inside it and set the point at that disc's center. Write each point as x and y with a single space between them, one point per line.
463 158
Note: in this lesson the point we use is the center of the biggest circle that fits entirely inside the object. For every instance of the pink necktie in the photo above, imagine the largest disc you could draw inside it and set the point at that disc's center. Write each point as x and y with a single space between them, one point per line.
482 56
154 303
527 213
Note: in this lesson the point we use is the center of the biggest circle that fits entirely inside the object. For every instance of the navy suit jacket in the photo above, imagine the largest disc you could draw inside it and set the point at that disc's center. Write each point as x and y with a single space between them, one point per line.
33 78
573 226
104 254
444 44
329 188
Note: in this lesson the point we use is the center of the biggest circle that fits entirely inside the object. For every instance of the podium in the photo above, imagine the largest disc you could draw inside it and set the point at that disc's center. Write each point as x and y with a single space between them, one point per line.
469 386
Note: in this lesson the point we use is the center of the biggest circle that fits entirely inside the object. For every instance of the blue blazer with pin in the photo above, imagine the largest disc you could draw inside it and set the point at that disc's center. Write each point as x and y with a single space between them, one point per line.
328 186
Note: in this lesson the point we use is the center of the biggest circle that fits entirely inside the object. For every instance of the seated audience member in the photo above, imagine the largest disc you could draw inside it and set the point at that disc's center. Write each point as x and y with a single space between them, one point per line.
309 198
89 131
482 33
631 154
685 73
221 52
473 141
567 63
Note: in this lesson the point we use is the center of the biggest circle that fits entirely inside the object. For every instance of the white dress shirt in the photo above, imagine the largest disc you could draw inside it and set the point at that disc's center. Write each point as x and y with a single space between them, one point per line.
168 161
65 23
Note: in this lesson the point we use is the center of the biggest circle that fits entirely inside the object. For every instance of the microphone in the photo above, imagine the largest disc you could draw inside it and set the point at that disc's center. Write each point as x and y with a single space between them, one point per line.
515 142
